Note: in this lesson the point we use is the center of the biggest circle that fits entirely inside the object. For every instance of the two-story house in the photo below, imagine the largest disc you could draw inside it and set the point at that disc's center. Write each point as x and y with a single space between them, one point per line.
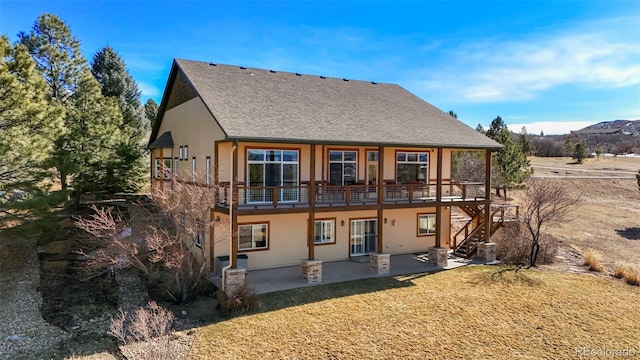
315 168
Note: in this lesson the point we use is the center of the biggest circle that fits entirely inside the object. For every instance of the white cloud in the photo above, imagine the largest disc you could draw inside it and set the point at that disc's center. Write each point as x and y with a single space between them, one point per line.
590 55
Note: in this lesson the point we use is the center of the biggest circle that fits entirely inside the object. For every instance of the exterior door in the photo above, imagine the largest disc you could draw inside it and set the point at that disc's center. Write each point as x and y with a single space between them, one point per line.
364 236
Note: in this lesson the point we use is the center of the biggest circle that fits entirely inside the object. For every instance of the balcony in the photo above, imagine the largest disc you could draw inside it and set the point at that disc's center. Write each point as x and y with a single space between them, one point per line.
271 197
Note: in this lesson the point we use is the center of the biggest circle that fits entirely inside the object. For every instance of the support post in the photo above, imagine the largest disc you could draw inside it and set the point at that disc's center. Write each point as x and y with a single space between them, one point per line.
212 225
312 203
379 244
233 261
487 196
439 199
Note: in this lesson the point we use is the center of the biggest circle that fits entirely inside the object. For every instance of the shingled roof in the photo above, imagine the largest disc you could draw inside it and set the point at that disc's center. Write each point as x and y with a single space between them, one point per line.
267 105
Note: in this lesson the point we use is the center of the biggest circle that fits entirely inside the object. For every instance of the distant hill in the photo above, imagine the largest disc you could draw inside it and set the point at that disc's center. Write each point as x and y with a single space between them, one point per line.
624 127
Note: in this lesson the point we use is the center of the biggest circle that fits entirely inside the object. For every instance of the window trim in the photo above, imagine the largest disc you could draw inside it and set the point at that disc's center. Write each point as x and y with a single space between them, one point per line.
176 162
194 173
333 237
429 214
267 238
186 152
418 151
343 150
208 170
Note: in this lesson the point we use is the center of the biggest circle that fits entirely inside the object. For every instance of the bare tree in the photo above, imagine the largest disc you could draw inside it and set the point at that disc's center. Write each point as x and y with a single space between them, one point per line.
163 237
545 203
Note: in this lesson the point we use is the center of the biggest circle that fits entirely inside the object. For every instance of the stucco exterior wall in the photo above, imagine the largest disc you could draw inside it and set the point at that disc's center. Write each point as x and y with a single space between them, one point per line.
191 125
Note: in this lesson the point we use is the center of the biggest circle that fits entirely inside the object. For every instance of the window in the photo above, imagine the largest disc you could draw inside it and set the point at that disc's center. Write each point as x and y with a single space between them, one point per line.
181 153
156 172
324 232
186 152
166 168
269 168
372 168
253 237
208 170
175 166
412 167
193 170
426 224
199 235
343 167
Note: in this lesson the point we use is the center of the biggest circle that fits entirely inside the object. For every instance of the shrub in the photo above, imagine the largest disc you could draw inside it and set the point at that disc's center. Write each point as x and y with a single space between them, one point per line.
145 334
513 246
592 260
242 299
628 272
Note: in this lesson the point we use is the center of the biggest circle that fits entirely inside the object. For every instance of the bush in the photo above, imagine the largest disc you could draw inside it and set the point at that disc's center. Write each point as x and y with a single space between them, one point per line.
243 299
513 245
629 272
146 334
592 260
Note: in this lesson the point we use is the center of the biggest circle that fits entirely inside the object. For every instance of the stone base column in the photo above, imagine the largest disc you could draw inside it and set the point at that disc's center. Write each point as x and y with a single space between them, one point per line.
311 271
486 252
437 256
380 263
234 279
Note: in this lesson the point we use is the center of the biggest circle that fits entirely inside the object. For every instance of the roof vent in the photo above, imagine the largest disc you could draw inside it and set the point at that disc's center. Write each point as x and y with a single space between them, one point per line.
374 83
243 67
212 64
345 79
322 77
298 74
272 71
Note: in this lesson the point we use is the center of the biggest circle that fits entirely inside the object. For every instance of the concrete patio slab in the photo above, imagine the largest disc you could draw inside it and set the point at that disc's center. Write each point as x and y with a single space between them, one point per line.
290 277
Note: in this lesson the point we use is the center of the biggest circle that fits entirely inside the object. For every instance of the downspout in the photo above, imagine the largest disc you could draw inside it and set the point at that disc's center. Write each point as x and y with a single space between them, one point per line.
231 225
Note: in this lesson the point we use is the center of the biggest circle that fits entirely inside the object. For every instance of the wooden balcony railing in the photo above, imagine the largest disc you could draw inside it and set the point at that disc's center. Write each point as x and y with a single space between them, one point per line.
349 195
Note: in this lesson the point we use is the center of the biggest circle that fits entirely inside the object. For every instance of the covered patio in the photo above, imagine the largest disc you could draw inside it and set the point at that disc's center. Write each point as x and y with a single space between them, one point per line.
289 277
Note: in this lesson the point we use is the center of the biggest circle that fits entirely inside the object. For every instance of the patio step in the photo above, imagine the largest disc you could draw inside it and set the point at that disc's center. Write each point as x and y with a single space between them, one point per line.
359 259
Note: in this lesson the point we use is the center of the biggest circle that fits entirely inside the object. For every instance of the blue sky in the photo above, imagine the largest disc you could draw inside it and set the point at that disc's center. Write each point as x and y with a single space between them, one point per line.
551 66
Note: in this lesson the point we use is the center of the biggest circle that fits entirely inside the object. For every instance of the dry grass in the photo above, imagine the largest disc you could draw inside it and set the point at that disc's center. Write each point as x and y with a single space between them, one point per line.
629 272
592 260
607 217
472 312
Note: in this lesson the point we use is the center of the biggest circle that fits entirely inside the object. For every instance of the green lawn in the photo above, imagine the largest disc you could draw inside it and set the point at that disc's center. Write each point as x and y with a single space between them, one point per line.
472 312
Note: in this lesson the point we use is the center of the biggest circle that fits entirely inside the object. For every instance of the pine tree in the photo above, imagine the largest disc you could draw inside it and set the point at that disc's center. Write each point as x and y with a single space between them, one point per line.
524 141
511 164
28 124
59 59
580 152
127 168
96 129
150 112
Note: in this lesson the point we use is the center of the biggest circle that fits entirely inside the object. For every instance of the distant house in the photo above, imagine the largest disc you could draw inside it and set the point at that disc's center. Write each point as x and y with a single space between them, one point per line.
315 168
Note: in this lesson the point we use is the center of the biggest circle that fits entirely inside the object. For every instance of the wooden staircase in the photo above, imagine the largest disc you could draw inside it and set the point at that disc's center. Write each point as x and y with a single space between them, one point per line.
473 232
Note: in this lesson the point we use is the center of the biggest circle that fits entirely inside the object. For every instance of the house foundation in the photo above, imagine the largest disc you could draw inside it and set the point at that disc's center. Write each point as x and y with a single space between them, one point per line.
311 271
437 256
486 252
380 263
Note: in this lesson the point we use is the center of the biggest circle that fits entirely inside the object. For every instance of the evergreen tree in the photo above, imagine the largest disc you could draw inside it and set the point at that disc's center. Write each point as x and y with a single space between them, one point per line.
580 151
511 163
28 124
59 60
453 114
96 134
480 129
150 112
638 177
568 146
127 168
524 141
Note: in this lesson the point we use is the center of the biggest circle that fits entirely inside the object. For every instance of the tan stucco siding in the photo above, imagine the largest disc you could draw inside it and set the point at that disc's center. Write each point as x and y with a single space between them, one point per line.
192 125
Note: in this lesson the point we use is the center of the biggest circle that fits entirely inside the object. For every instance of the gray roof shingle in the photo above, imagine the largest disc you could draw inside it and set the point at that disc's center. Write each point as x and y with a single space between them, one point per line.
266 105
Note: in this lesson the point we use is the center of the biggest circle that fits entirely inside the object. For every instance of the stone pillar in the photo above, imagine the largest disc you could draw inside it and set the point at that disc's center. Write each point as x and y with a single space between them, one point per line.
234 279
380 263
486 252
437 256
311 271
